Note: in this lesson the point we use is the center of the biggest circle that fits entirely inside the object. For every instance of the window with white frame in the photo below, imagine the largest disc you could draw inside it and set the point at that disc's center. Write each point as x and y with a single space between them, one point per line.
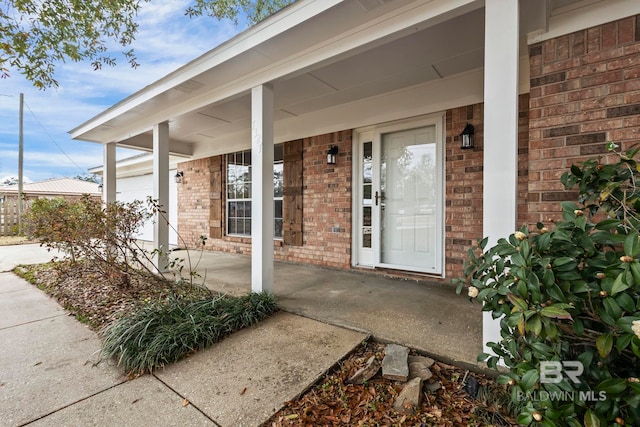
239 192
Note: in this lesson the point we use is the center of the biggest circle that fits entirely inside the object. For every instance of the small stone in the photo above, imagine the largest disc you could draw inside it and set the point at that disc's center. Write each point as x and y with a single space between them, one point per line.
395 364
426 361
435 386
472 386
409 398
365 373
419 367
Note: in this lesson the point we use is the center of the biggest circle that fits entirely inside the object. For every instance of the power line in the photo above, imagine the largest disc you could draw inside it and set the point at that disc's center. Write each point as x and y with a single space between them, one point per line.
53 140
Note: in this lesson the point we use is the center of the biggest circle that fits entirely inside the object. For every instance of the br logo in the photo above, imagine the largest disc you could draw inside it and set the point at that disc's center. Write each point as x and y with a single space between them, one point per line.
553 372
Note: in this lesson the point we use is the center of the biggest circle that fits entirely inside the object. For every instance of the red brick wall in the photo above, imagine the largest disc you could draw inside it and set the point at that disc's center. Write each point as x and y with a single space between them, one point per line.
464 185
327 204
585 91
326 199
194 199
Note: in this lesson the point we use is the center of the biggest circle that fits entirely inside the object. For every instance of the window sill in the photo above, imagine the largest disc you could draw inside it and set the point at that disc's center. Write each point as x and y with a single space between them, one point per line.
278 241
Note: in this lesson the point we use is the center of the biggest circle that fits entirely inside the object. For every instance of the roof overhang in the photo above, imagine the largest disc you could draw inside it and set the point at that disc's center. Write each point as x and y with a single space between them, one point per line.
316 54
324 59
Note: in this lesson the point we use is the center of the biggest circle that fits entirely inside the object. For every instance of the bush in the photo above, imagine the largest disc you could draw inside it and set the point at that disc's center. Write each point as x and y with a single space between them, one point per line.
105 236
570 294
164 332
59 224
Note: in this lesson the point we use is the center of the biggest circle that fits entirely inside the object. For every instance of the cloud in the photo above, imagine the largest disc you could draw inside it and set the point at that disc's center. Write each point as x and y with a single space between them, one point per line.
166 40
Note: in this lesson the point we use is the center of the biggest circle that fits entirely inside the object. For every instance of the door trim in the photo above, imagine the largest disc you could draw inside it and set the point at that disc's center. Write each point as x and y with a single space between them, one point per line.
375 132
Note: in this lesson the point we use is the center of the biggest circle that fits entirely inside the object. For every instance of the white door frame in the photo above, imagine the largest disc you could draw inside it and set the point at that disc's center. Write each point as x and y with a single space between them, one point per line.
370 258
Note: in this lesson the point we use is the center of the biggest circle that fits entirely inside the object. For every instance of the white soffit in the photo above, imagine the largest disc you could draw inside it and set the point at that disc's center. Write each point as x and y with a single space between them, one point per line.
574 16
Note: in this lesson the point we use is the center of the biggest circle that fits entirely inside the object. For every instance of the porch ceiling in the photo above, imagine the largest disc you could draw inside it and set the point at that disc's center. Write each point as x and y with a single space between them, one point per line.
208 100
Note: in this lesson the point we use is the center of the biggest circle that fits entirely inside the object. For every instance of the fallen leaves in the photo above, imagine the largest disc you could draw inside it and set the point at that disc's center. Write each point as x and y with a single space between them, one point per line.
90 298
333 402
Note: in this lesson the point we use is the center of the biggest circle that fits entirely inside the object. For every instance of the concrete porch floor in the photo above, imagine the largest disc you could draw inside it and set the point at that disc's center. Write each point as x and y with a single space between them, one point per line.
427 316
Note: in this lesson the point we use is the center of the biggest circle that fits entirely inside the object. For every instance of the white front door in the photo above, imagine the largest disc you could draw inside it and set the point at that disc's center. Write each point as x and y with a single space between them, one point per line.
399 221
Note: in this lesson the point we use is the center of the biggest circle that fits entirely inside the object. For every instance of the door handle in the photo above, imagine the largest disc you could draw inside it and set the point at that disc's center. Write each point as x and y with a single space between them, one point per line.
377 197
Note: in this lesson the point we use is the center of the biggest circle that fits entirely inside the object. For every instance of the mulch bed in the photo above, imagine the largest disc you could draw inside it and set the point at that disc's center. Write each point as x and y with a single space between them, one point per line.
93 300
333 402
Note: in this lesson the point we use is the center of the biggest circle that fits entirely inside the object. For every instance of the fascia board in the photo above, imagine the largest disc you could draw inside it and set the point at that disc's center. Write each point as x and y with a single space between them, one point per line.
137 165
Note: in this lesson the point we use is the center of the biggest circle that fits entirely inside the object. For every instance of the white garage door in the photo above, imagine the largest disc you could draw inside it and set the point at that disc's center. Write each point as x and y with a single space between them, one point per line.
141 187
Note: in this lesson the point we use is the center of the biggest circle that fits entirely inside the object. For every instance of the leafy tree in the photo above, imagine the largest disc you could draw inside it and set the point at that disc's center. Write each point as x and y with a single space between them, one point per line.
9 180
255 10
35 35
89 177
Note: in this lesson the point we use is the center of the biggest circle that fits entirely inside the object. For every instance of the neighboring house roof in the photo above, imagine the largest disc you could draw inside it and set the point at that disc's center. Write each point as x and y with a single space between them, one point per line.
55 186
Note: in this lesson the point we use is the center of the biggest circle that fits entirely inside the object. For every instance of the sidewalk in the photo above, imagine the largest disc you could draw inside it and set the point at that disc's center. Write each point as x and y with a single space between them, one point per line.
48 377
10 256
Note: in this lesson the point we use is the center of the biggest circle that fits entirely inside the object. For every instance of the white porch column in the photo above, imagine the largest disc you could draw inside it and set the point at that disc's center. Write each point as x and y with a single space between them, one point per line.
500 130
109 173
262 189
161 191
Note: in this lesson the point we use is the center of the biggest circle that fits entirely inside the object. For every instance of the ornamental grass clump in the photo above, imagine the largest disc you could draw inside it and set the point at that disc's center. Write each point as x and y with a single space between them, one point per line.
568 300
163 332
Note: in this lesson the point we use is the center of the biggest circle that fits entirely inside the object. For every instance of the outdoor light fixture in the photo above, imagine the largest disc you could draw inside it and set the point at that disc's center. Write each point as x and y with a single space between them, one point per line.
331 155
100 186
179 176
467 136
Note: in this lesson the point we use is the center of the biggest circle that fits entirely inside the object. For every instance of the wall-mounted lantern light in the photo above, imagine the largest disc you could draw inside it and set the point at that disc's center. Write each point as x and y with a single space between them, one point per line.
179 176
466 137
331 155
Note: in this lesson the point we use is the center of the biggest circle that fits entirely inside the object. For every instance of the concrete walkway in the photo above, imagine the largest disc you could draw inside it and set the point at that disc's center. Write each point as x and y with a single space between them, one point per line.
48 375
10 256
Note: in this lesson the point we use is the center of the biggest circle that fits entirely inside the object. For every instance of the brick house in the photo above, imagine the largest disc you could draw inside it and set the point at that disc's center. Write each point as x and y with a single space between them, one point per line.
387 87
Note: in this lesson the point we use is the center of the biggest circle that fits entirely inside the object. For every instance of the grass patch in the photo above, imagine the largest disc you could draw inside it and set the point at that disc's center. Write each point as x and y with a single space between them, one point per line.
27 272
163 332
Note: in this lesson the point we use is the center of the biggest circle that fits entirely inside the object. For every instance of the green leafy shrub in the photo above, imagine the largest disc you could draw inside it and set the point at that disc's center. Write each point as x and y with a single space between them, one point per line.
568 298
164 332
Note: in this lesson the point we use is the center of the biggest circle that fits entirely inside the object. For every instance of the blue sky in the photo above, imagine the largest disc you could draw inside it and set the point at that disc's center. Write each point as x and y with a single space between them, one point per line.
166 40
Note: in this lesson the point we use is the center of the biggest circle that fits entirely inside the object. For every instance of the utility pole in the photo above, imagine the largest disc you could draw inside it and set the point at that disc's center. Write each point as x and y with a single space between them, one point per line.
20 162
